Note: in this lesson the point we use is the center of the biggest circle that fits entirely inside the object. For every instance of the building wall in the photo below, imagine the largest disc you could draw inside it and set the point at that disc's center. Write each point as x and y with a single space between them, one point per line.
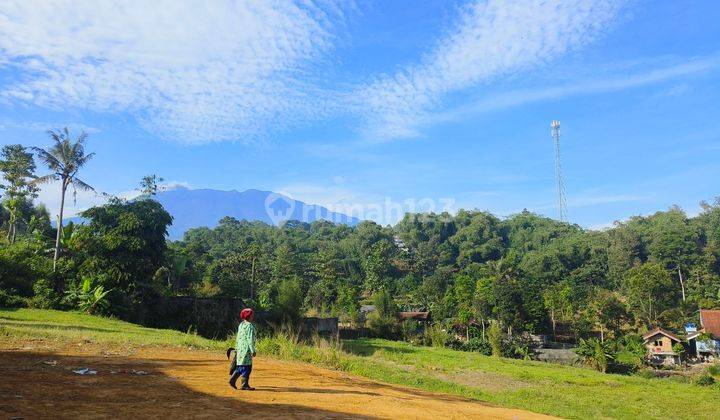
659 344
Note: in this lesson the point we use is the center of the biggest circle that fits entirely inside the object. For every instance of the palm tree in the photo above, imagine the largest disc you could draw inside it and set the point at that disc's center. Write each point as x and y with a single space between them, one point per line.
64 159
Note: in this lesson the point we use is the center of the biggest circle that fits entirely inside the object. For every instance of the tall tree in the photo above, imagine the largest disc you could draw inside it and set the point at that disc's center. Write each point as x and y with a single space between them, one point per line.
649 290
18 169
150 184
65 158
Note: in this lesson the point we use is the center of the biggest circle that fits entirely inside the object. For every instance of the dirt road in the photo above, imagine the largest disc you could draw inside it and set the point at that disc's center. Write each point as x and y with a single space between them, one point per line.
37 381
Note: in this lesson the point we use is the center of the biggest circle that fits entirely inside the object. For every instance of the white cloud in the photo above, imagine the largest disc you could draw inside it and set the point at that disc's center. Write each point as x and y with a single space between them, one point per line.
521 97
49 195
191 71
493 38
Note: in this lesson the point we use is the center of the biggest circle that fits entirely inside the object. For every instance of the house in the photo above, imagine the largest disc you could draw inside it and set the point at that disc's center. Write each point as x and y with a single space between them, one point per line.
708 348
659 344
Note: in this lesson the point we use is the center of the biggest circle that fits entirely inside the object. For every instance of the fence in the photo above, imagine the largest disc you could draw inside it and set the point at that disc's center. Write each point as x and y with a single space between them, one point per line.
209 317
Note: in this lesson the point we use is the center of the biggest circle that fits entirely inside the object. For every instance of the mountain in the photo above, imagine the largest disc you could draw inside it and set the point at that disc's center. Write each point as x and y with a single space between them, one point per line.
192 208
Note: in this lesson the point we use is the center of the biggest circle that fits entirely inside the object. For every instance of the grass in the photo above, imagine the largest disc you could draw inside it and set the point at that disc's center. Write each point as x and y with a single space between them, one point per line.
75 326
536 386
564 391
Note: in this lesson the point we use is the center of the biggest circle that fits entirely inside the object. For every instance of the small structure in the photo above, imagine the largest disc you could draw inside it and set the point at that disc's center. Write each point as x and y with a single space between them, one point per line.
706 341
659 344
321 326
420 316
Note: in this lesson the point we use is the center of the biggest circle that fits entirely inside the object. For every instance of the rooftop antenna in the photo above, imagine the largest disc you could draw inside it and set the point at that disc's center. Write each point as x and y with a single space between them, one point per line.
561 202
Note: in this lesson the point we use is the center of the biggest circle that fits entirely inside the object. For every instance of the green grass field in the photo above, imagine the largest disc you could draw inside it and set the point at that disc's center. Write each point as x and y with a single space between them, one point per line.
552 389
73 326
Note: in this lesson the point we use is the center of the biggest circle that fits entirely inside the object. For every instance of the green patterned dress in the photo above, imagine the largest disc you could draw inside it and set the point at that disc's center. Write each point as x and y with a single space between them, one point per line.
245 345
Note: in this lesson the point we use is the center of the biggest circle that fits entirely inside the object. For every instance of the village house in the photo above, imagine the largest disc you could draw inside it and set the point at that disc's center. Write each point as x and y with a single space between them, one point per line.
708 348
659 344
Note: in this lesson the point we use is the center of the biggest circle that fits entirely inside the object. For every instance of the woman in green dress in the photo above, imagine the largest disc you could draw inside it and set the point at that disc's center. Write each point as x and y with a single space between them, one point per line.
244 350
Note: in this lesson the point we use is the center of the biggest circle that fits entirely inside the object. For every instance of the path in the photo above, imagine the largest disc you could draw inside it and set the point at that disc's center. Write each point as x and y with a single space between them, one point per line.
38 382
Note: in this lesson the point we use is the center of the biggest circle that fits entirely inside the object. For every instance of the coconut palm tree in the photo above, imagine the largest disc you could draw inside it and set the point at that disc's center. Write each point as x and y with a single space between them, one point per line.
64 159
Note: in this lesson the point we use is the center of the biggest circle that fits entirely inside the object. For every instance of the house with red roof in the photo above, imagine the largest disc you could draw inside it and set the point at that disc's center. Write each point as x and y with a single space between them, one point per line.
706 341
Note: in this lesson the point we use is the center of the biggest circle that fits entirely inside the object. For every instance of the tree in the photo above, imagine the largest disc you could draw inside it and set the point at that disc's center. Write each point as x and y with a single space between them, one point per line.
606 311
289 300
18 169
65 158
595 353
149 184
649 290
557 302
121 248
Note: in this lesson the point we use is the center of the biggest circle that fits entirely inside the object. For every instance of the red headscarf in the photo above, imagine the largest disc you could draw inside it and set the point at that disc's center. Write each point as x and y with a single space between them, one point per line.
246 313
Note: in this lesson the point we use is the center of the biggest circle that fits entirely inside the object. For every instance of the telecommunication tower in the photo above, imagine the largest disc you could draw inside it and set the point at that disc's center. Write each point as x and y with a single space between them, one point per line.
561 202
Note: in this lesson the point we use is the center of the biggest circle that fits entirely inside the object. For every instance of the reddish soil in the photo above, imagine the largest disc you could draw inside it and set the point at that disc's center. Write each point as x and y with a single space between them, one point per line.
37 381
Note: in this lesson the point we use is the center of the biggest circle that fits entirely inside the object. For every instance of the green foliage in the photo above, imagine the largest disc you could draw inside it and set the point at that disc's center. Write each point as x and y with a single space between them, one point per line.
437 336
46 297
18 171
289 301
382 326
649 290
595 353
122 247
89 296
495 338
679 349
8 300
705 380
714 370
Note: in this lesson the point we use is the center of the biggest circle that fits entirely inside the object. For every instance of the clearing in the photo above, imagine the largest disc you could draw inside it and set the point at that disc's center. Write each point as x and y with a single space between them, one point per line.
179 375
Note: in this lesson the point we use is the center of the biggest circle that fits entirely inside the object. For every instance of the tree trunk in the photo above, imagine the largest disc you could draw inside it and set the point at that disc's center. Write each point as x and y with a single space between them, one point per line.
483 329
252 278
682 284
552 319
602 334
11 228
60 225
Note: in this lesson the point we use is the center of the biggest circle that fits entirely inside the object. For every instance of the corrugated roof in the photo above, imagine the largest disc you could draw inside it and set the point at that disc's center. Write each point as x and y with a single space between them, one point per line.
657 331
710 321
420 316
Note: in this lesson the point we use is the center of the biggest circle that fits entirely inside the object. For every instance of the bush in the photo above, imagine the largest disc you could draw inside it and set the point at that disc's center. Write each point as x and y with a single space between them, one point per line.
438 336
714 370
382 326
477 345
595 353
10 300
495 338
45 295
705 380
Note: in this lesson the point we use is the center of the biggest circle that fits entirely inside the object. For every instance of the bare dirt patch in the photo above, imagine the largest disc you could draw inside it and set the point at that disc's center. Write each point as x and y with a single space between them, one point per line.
38 381
486 381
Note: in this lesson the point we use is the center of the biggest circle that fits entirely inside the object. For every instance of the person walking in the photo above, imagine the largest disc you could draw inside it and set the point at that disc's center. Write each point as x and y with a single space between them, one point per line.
244 350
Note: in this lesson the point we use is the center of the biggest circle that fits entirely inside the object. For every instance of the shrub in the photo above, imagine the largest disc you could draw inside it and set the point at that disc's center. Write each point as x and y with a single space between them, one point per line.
705 380
714 370
438 336
10 300
45 295
382 326
595 353
495 338
478 345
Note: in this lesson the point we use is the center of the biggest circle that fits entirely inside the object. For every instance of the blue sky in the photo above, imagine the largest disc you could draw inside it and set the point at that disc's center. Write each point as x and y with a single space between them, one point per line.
424 105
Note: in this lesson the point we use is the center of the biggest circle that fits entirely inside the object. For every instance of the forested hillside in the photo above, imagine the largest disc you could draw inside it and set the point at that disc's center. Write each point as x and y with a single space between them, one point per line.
524 273
529 272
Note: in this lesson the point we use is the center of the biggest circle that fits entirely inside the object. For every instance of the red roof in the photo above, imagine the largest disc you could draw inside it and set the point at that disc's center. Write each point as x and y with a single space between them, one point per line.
710 321
657 331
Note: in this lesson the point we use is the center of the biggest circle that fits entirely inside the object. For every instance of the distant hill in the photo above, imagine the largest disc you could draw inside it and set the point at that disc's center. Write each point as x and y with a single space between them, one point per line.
205 207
